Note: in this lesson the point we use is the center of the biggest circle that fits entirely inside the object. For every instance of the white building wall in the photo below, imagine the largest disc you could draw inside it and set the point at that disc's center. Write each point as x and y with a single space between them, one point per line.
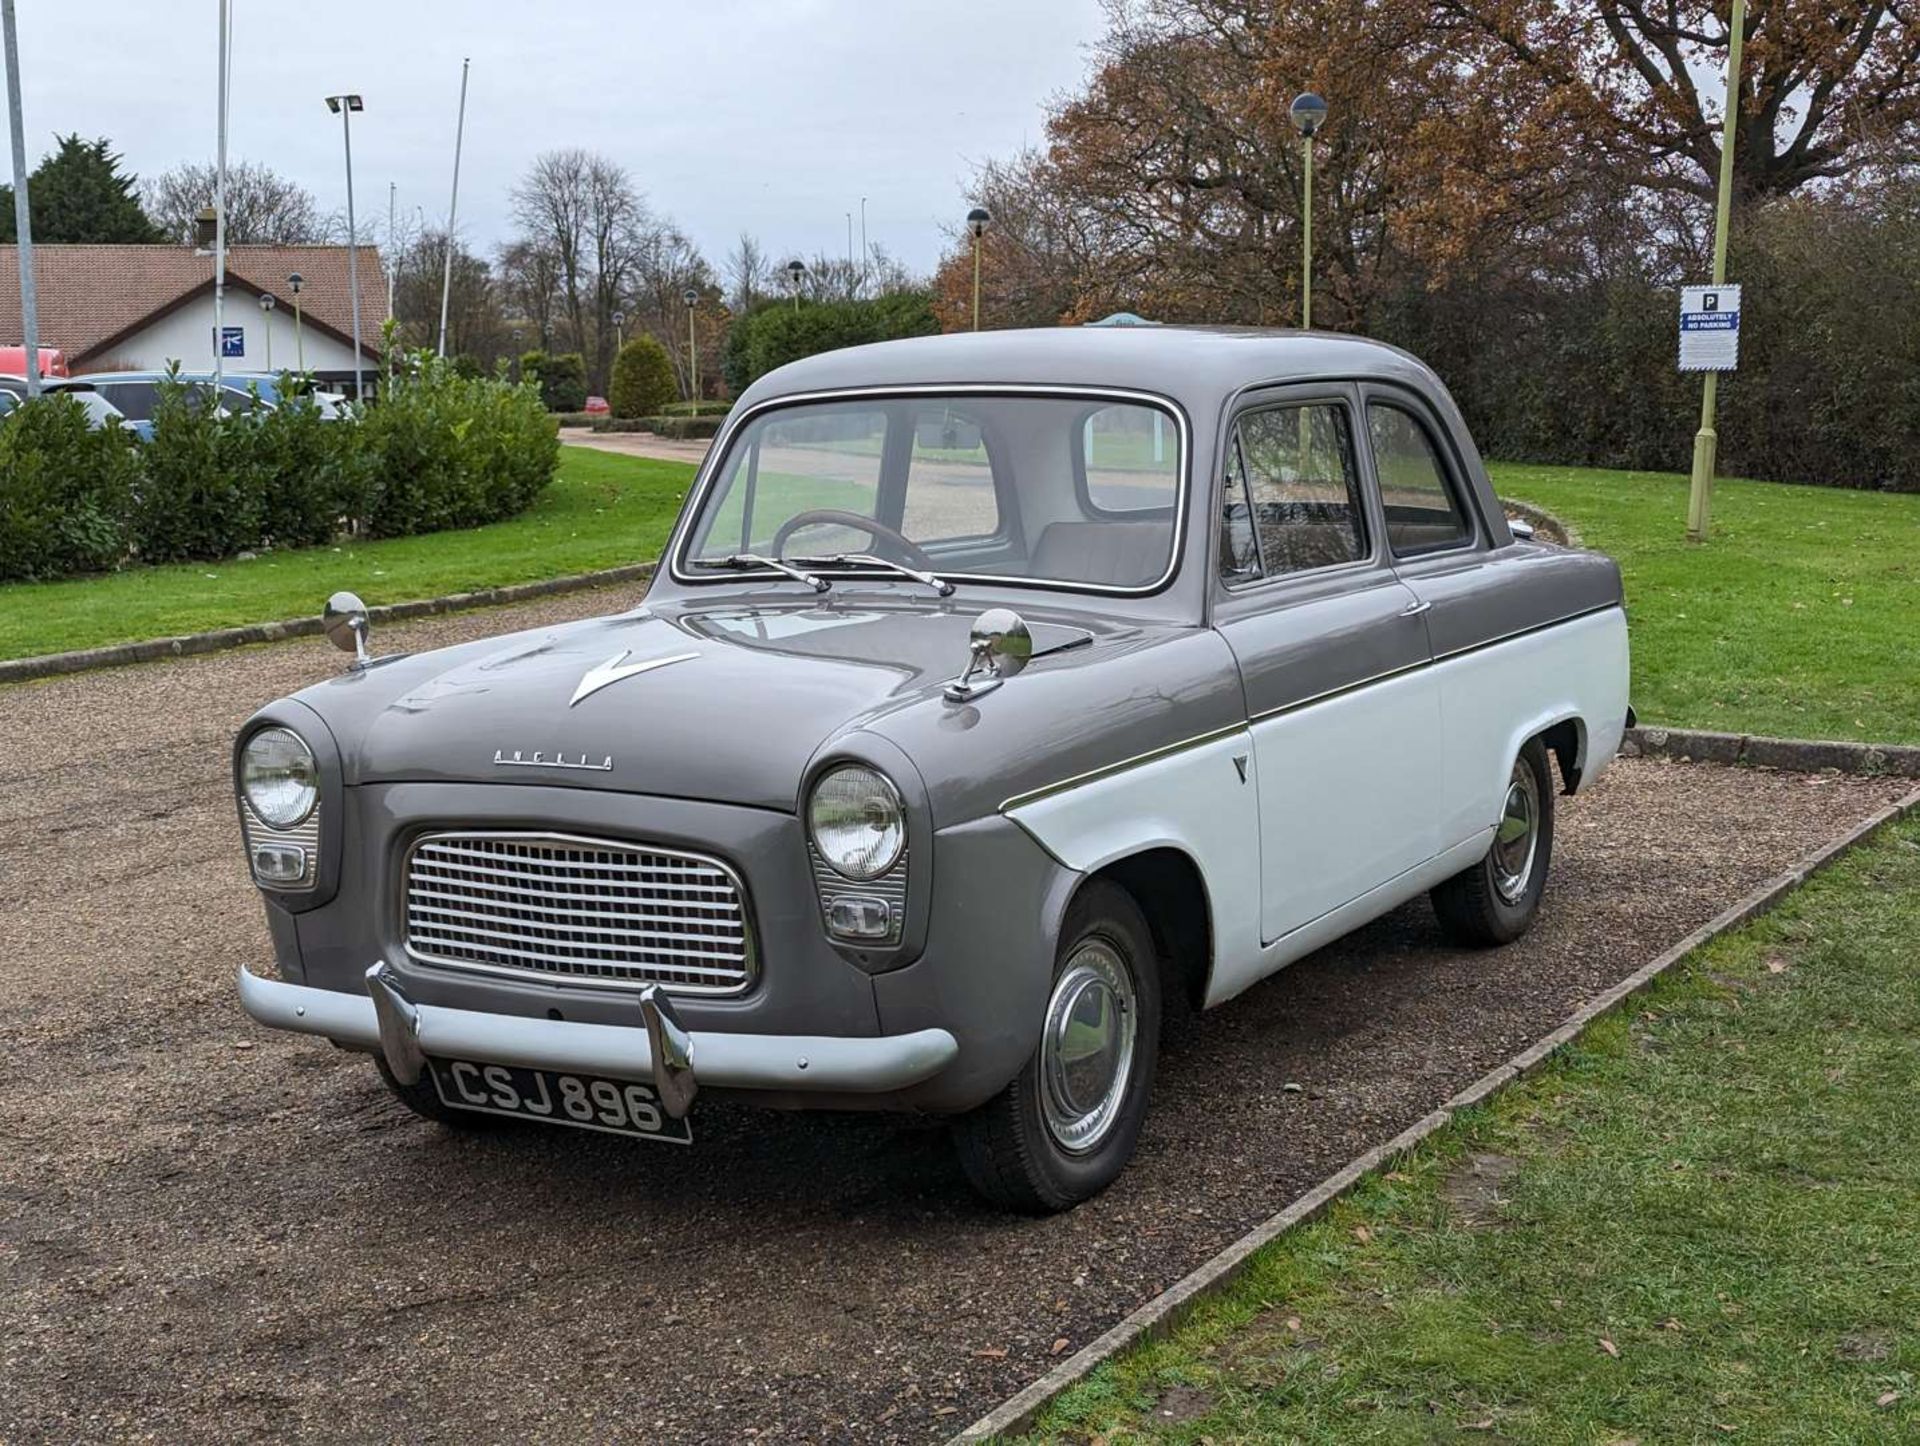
186 336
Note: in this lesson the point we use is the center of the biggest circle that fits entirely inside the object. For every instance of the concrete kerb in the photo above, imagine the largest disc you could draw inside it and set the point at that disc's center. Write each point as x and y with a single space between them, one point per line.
1166 1310
49 665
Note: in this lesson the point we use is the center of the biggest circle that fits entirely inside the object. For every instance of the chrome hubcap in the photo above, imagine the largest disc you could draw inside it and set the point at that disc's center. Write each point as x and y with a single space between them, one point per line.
1517 839
1086 1050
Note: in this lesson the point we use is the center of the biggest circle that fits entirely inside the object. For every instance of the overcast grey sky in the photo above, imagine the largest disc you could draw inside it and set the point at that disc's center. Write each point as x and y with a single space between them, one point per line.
773 116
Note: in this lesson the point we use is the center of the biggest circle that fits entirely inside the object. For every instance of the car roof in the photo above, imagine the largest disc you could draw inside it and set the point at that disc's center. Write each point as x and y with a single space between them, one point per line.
1198 366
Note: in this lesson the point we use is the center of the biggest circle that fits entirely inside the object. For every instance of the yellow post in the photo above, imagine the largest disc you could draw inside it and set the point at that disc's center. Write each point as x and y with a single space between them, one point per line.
1306 246
1706 442
693 366
976 281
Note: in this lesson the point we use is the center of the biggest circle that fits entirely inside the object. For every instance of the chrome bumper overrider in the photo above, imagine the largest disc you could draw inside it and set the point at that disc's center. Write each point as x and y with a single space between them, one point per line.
675 1060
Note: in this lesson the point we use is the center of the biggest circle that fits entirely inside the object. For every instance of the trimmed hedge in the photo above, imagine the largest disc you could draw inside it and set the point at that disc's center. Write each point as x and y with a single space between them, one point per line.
776 332
678 428
643 379
439 450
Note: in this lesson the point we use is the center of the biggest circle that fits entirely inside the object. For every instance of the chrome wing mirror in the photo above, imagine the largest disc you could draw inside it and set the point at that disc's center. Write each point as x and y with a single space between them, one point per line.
345 621
998 646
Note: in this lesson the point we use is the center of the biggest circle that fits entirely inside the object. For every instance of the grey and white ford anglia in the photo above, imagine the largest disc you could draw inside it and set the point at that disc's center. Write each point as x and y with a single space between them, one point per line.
995 692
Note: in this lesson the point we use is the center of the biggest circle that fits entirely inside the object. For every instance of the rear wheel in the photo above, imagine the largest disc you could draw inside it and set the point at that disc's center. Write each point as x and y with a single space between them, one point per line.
1494 901
1067 1125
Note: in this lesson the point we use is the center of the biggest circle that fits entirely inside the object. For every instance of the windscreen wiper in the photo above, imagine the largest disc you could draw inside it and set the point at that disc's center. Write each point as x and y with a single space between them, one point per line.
743 560
867 559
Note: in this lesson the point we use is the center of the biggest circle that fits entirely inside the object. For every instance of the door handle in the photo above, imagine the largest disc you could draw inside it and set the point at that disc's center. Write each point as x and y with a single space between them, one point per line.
1414 609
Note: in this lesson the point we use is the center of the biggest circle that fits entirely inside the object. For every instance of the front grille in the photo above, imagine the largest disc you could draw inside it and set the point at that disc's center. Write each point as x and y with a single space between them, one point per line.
554 907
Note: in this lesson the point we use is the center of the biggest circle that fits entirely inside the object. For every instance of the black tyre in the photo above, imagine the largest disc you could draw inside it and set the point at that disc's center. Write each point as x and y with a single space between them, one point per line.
1067 1125
424 1100
1494 901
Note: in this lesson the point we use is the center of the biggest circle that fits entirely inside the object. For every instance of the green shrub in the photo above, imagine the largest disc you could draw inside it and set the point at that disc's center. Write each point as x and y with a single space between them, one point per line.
444 450
695 409
562 379
314 473
203 482
643 379
64 491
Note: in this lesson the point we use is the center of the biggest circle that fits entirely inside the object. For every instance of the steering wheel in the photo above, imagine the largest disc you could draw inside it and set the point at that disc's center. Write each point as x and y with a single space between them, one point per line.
910 551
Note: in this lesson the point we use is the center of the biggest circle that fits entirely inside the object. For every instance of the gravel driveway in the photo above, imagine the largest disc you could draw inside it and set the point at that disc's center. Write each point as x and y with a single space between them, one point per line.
208 1230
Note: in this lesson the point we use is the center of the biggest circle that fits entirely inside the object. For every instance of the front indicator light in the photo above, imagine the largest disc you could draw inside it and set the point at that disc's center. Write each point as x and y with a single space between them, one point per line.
279 864
852 916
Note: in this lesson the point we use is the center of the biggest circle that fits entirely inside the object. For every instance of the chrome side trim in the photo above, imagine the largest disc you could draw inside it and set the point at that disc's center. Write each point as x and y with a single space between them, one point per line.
812 1063
722 444
1196 741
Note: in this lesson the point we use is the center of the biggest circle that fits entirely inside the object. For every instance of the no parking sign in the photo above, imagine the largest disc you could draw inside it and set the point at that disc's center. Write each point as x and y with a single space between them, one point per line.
1709 328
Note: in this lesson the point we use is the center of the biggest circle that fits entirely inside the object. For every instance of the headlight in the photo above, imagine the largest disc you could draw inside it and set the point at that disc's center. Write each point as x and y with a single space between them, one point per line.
278 777
858 824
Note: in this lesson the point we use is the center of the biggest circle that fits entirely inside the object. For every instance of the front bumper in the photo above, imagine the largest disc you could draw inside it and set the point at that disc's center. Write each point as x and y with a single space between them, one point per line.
654 1048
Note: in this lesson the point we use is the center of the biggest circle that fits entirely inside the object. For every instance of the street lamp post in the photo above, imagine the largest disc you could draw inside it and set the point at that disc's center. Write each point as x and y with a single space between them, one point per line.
977 220
22 213
294 282
692 299
266 323
796 269
344 106
1706 442
1309 113
619 330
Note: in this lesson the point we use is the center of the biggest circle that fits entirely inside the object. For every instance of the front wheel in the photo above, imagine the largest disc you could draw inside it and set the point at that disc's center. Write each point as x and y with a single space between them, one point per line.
1494 901
1067 1125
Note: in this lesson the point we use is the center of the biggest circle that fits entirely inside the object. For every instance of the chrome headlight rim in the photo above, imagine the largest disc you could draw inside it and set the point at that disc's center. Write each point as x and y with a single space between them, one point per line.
875 866
281 820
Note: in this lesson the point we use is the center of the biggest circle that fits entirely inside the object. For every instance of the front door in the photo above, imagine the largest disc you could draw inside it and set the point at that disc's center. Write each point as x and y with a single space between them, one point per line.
1333 653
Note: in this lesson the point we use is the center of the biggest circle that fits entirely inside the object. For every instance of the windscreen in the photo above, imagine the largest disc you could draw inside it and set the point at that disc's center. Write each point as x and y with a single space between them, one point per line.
1063 491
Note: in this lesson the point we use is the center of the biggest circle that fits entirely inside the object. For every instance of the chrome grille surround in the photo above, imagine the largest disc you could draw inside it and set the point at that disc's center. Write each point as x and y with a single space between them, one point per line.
565 909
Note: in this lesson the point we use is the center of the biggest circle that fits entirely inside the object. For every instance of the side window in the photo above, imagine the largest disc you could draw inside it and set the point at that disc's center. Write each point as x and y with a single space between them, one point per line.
950 492
1291 477
1422 512
1130 456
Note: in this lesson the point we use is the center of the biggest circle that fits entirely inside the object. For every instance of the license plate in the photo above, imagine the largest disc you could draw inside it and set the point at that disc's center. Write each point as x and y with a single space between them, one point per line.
586 1102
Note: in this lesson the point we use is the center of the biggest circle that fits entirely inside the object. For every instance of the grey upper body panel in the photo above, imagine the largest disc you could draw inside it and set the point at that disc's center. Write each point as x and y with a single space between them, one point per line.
1203 373
782 679
778 684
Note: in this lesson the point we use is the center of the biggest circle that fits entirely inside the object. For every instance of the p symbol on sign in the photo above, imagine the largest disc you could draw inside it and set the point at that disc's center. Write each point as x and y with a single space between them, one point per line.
1710 302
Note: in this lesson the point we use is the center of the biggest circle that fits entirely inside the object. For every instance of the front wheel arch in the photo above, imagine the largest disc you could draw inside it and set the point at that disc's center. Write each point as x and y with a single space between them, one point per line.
1169 889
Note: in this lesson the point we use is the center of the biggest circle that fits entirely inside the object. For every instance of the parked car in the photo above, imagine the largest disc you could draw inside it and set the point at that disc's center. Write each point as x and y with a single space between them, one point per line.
100 412
597 407
993 690
137 394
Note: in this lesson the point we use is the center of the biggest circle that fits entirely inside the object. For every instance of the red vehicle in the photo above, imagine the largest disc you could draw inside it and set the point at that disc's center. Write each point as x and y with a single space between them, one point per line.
13 361
596 406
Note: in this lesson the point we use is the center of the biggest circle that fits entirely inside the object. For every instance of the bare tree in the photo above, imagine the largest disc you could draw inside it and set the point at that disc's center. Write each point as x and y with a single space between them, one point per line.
529 273
749 274
477 325
263 207
550 206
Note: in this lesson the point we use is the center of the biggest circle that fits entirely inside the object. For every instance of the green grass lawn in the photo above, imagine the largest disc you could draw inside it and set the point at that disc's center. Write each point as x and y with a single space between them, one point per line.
601 510
1799 618
1697 1224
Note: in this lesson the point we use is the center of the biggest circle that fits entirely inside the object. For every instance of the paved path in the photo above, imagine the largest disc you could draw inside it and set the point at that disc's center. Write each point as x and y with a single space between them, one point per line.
637 444
211 1231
